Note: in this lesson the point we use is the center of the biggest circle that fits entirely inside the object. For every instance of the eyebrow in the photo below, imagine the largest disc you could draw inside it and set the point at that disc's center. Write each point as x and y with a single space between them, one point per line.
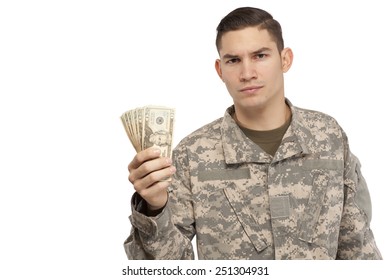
230 56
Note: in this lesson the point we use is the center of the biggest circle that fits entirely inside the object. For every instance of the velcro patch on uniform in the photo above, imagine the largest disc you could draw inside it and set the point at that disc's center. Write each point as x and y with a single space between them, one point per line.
330 164
280 206
221 174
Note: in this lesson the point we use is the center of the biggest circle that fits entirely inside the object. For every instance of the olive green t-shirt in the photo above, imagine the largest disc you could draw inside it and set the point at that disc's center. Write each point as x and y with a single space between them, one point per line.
268 140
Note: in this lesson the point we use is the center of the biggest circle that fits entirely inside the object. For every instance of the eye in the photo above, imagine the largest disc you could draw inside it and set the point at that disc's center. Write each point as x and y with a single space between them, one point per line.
232 61
261 55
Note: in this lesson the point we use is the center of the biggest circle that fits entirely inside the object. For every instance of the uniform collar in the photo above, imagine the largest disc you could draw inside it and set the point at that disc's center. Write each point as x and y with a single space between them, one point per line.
238 148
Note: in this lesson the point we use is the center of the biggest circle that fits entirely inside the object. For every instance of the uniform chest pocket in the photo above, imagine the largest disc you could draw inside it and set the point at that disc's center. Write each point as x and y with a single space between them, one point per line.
251 227
210 185
222 201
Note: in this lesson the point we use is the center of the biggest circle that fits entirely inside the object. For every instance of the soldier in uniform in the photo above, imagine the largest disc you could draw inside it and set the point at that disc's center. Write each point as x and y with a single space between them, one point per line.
268 180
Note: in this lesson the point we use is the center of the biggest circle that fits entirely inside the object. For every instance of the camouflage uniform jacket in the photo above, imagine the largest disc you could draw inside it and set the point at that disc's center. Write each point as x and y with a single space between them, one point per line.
309 201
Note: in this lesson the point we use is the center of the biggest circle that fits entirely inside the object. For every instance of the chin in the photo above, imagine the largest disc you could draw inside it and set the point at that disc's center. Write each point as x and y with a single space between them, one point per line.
252 104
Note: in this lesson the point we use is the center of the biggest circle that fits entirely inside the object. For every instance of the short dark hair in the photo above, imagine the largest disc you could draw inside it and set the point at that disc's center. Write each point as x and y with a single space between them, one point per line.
249 17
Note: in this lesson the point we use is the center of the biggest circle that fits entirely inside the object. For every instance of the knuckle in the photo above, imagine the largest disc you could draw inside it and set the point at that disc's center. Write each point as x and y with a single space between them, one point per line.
138 158
137 186
131 178
144 168
129 167
137 161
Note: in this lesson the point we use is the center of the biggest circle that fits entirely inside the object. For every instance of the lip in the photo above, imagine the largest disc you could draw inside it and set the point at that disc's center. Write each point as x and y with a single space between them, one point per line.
250 89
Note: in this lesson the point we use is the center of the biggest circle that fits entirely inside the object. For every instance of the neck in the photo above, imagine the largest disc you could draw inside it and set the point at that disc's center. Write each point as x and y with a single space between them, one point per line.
262 119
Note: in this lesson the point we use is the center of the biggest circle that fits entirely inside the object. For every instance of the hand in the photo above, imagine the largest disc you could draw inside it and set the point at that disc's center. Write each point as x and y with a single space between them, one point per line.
147 170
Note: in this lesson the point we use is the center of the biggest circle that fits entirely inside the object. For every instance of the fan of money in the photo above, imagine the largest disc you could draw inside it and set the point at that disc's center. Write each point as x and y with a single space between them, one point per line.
150 126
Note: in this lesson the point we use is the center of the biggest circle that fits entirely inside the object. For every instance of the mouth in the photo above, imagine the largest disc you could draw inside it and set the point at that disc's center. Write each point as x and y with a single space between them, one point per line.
250 89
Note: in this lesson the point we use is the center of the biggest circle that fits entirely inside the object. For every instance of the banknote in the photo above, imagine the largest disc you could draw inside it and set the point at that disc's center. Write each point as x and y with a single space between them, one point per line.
150 126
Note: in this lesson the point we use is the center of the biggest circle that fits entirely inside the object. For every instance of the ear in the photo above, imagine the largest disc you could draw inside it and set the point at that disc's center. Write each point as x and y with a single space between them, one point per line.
287 57
218 68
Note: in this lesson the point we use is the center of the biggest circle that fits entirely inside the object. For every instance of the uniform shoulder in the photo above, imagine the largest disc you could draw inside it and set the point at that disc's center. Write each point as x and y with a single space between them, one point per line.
315 118
319 131
210 131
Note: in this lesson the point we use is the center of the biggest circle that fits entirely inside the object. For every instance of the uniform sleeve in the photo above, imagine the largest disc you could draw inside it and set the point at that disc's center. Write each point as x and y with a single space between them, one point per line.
169 234
356 240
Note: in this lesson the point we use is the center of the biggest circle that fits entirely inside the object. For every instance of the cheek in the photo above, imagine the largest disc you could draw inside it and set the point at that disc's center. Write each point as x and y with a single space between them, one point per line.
272 73
230 85
278 77
228 77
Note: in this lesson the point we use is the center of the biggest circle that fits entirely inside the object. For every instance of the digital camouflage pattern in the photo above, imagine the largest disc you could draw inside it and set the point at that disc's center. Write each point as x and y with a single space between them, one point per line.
309 201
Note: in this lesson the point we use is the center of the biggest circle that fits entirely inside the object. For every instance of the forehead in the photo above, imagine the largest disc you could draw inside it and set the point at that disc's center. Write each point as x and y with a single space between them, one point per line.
246 40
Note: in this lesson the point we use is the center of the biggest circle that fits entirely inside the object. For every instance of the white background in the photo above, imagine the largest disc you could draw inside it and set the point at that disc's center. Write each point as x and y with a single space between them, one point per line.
69 69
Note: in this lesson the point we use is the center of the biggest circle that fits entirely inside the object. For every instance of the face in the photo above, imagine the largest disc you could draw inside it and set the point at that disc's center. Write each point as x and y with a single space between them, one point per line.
252 68
160 139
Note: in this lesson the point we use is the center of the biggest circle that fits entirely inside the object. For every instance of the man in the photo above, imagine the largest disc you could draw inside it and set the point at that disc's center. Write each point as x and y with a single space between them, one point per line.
266 181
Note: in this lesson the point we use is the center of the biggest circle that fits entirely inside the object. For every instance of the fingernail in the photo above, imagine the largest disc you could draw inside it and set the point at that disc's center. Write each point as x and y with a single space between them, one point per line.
157 151
169 160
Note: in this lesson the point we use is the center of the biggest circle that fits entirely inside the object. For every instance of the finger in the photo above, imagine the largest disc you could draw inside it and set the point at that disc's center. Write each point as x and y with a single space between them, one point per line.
155 190
153 177
149 167
145 155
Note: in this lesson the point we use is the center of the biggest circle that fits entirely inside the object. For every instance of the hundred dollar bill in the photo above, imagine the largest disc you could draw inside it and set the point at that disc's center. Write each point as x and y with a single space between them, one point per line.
150 126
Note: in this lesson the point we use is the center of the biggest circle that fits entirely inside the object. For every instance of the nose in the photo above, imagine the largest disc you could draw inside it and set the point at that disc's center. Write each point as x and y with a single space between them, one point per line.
248 71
